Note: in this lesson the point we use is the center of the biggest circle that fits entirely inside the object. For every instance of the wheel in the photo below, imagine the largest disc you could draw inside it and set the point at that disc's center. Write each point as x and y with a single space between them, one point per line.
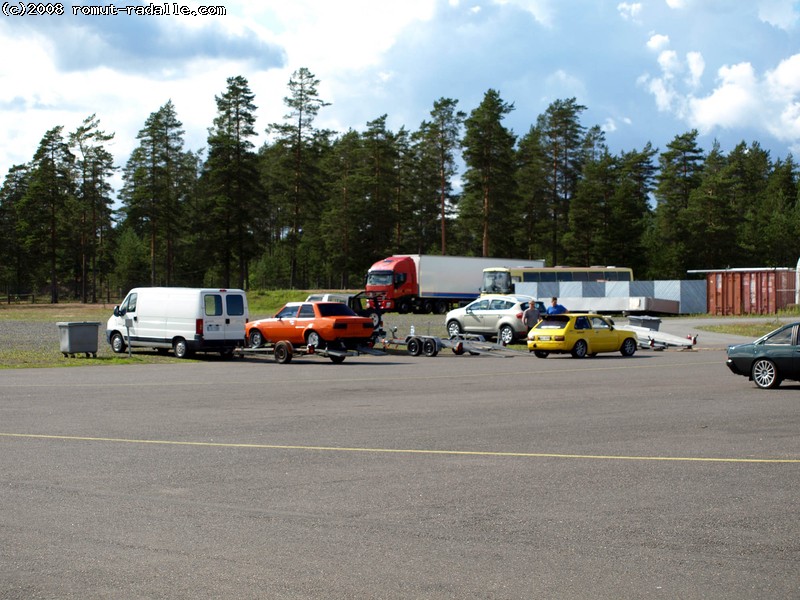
580 349
118 343
376 319
256 338
313 339
506 335
453 329
414 346
430 348
765 375
427 307
440 307
404 307
337 359
180 348
458 349
628 347
226 354
541 354
283 352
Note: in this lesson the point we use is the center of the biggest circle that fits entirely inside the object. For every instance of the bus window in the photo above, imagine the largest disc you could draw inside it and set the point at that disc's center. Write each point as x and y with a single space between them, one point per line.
532 277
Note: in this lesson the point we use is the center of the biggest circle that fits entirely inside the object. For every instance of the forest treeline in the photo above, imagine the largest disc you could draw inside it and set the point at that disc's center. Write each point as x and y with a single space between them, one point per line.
313 208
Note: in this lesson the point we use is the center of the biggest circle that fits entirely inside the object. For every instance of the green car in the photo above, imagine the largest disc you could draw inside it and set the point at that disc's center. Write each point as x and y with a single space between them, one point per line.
770 359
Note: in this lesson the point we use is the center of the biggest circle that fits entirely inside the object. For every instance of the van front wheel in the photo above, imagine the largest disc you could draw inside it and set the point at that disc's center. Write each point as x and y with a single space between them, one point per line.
117 343
181 348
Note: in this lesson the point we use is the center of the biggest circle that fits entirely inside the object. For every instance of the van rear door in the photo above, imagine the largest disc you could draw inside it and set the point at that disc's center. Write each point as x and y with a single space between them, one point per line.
236 316
213 316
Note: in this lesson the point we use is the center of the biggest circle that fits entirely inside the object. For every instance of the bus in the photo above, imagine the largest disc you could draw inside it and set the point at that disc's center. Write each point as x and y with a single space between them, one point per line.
501 280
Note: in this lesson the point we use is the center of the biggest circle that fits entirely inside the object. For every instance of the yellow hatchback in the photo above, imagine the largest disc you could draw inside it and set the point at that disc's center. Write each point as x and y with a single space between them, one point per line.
580 334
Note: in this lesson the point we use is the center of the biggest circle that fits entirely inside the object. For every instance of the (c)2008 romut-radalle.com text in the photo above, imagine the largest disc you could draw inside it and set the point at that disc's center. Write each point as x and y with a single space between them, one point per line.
23 9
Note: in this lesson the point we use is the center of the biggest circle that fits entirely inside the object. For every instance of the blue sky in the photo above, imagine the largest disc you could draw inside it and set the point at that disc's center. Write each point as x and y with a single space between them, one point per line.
646 71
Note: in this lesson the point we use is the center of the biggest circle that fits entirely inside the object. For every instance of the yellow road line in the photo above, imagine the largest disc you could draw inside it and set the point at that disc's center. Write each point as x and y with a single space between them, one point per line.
407 451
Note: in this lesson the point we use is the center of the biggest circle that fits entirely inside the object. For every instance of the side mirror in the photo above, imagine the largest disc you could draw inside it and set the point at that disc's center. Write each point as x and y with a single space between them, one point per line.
116 311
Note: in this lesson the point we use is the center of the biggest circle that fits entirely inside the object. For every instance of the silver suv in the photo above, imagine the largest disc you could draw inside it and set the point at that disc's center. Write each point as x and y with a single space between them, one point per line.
492 316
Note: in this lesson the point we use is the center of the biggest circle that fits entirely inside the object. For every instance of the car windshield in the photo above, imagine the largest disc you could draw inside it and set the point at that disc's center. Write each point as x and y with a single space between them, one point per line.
553 322
335 309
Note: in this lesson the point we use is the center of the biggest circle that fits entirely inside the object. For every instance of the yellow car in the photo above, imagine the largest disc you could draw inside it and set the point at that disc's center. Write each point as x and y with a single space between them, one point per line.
580 334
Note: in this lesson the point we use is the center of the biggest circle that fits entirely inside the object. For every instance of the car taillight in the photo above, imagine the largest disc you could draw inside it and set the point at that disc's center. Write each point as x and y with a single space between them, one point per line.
340 325
198 327
558 338
519 316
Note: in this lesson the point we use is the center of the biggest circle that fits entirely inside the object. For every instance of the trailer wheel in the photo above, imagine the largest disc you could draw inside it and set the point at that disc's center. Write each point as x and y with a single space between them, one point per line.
336 359
414 346
458 348
430 348
283 352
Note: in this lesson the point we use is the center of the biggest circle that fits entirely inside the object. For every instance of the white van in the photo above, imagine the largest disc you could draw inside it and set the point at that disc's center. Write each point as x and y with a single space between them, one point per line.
187 320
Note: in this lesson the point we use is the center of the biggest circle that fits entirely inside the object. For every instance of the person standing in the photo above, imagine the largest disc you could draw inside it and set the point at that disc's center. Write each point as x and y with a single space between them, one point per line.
531 316
555 308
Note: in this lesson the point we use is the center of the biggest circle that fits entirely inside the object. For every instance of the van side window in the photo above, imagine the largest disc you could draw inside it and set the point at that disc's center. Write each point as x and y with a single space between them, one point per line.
130 305
213 305
235 305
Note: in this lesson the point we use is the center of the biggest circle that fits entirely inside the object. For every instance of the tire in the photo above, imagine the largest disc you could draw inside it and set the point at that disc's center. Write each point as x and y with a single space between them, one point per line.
256 338
430 348
404 307
337 360
283 352
458 349
541 354
628 347
765 374
181 348
440 307
427 307
454 329
414 346
376 319
227 354
118 343
313 339
506 335
580 349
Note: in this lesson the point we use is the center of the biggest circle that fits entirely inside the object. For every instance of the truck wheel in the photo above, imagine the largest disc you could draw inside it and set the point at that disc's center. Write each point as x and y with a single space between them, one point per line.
180 348
427 307
404 307
117 342
440 307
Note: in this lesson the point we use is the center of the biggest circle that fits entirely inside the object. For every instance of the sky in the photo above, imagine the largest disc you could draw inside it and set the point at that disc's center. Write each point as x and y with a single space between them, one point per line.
646 71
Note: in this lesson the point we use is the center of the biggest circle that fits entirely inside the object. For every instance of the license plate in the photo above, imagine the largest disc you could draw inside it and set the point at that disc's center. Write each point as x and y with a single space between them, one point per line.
544 338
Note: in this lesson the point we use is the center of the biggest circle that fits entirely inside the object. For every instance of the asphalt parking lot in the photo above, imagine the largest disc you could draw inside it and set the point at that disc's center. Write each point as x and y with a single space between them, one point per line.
658 476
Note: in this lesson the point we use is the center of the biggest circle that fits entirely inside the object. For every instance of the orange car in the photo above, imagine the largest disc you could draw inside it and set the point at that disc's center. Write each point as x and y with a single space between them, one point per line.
318 324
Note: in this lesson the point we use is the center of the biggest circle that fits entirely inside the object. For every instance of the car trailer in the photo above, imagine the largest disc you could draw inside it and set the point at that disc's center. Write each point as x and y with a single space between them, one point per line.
283 351
462 343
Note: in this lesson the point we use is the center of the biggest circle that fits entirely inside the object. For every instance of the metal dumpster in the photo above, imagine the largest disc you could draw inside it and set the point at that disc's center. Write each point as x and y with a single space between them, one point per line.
79 337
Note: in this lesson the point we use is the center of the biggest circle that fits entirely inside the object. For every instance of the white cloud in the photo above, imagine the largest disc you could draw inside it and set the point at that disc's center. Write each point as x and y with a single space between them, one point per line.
657 42
696 67
782 14
735 102
669 63
541 10
630 11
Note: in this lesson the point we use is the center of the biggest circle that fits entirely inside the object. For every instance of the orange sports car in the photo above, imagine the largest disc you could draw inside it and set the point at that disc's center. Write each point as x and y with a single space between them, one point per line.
318 324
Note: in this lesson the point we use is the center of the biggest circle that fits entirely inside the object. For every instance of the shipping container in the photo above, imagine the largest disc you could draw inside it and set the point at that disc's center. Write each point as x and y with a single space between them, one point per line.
750 291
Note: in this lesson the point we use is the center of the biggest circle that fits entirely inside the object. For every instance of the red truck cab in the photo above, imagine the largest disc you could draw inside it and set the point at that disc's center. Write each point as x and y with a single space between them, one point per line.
395 279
